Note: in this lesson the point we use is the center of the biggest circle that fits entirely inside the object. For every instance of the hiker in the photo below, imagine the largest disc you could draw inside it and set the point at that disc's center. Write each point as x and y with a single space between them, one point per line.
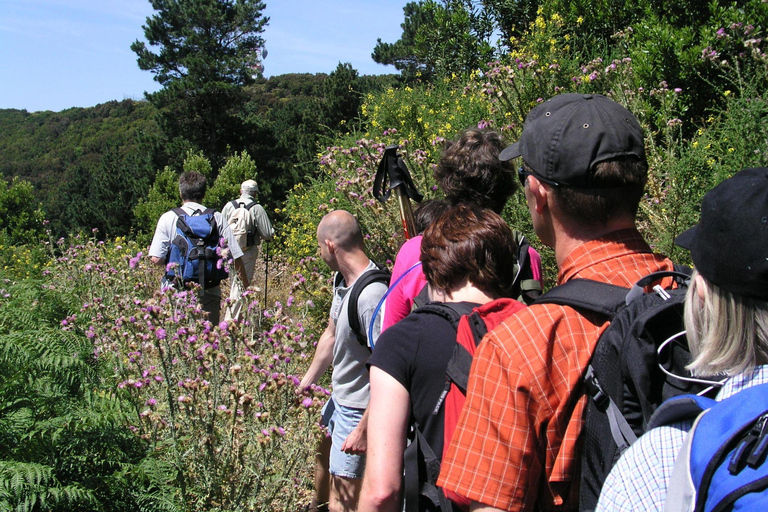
726 319
517 443
192 187
340 242
469 172
249 224
466 255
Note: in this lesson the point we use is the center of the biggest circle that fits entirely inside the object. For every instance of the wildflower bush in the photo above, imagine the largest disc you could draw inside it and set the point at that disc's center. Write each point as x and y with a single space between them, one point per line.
211 409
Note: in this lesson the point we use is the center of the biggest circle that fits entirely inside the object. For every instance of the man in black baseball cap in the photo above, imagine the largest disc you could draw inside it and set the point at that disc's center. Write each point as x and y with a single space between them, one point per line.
518 443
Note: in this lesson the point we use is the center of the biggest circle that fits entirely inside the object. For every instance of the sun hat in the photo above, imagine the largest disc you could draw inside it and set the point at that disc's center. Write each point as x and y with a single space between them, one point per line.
729 245
564 137
250 187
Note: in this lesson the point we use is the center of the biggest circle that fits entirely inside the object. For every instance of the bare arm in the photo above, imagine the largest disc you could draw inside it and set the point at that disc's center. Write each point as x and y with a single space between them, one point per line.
322 359
388 410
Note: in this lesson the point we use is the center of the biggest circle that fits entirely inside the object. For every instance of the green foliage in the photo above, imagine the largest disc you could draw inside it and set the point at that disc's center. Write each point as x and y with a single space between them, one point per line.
440 38
203 41
239 168
208 50
341 96
163 196
69 158
21 216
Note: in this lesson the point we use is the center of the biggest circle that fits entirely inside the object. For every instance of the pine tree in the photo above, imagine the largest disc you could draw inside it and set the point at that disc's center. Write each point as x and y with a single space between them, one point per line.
207 51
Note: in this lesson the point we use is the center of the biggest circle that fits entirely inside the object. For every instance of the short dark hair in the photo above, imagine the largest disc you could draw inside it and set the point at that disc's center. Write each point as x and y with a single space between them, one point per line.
470 171
469 242
427 212
192 186
618 187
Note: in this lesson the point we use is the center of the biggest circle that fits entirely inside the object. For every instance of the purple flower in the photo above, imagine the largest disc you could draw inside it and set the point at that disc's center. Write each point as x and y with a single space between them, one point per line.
307 402
135 260
160 333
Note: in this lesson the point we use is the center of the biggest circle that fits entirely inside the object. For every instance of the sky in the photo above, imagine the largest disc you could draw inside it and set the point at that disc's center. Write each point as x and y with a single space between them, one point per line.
57 54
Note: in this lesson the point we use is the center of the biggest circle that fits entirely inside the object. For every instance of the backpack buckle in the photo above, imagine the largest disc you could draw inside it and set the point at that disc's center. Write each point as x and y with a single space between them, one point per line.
602 400
752 447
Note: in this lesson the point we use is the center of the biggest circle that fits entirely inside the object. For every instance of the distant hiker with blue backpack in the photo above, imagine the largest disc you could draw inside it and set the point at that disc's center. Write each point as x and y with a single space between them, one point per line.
467 256
708 455
187 243
250 225
357 288
517 446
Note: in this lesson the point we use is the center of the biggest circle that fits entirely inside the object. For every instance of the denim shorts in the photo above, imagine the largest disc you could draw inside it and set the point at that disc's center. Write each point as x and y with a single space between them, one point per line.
341 421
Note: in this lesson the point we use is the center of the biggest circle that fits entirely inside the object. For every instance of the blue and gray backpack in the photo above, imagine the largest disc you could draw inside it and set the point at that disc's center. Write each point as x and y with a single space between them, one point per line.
194 250
721 466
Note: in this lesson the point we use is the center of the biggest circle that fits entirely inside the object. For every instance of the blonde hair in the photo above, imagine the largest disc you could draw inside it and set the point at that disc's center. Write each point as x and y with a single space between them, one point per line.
727 333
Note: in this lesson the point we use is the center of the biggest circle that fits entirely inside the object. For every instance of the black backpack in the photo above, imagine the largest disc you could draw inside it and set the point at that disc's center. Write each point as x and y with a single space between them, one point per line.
636 365
421 465
381 275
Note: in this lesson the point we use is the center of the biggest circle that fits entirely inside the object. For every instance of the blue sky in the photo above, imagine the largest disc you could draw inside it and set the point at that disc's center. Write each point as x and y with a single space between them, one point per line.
57 54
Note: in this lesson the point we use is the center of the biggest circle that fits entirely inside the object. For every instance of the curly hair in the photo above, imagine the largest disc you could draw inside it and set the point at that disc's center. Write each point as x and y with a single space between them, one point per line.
470 171
469 242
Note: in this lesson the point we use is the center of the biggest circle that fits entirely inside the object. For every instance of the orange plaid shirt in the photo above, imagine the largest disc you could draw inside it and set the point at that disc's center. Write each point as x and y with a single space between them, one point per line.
517 444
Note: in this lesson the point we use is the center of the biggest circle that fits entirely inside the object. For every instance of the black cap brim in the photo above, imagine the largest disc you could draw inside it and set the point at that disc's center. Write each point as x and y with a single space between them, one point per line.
510 152
686 238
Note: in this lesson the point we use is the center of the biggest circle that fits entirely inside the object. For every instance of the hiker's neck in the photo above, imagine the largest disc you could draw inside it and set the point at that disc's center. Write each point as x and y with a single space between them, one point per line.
352 264
465 292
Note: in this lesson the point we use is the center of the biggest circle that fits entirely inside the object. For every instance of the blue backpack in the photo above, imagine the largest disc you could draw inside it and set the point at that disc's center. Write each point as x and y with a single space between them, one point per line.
721 466
194 250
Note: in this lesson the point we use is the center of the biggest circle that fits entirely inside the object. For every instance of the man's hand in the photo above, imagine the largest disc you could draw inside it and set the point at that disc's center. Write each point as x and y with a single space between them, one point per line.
356 442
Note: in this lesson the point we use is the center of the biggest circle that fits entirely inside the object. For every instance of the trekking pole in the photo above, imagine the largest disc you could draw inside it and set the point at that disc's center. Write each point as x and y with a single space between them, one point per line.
393 166
266 271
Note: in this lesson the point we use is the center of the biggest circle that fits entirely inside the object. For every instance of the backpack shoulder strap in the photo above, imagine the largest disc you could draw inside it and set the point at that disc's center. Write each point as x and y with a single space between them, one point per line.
422 298
235 204
586 294
379 274
250 205
679 408
450 311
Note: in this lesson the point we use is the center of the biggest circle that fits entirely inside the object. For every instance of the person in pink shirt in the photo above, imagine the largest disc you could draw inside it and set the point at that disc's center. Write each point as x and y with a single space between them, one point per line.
407 268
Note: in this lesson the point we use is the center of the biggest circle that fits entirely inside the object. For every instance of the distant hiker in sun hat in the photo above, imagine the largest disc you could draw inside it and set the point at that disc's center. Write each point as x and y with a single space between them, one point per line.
249 224
726 319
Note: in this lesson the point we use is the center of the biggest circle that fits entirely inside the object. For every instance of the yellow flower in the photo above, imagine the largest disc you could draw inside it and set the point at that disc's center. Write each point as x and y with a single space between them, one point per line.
580 20
727 93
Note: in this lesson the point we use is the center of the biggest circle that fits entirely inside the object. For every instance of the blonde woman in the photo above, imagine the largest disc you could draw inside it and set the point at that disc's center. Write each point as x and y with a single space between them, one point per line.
726 318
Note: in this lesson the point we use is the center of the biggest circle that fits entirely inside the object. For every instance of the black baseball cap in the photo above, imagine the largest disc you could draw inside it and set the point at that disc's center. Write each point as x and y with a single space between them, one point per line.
729 245
564 137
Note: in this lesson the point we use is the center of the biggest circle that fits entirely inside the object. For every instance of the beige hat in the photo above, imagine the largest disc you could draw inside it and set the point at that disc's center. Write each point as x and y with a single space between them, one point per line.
250 187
